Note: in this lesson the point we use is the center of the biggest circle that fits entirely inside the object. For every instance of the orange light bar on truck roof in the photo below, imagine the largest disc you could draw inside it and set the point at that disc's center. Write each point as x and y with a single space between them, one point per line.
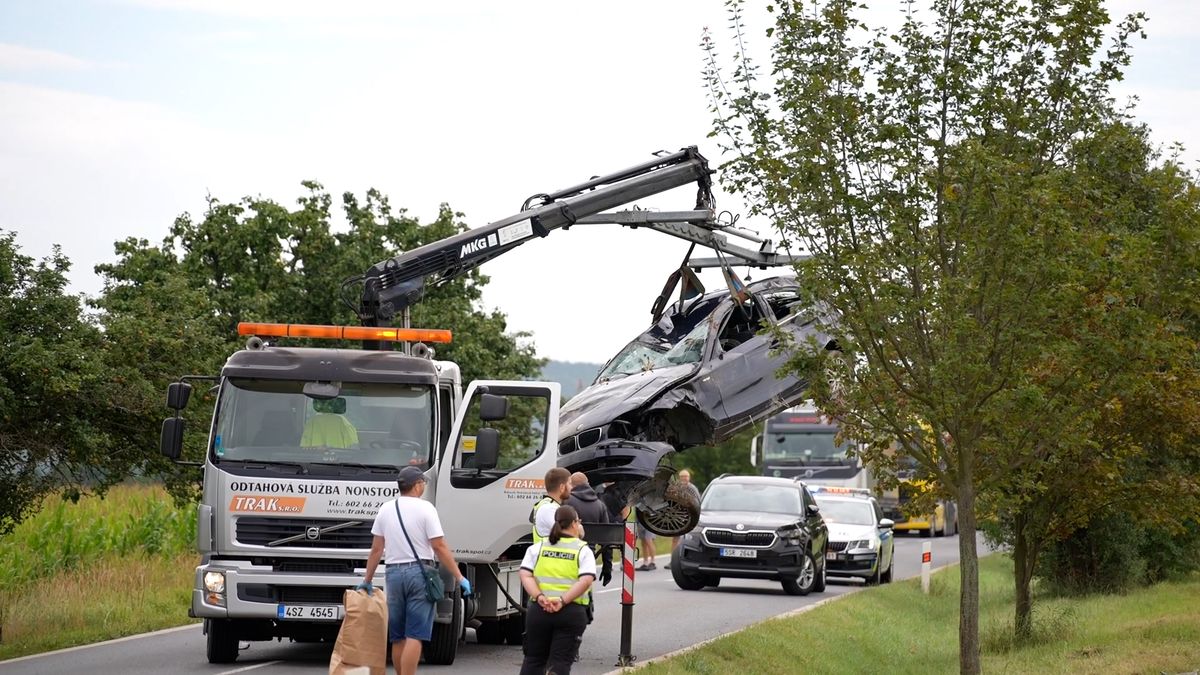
303 330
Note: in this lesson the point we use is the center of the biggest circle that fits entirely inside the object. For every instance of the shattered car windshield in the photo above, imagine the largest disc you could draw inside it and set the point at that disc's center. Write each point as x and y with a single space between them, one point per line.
675 340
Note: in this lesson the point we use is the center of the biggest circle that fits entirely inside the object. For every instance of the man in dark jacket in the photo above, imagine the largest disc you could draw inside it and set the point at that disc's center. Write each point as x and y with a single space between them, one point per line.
591 510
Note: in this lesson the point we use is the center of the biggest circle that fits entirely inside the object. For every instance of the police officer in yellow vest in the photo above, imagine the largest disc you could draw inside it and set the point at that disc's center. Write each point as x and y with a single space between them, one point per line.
557 574
558 488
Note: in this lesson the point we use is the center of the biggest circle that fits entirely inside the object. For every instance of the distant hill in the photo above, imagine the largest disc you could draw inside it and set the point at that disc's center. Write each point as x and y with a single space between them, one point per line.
573 376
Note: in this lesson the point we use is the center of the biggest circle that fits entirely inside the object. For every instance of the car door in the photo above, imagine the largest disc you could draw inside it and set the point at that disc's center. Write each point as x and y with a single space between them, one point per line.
816 525
484 510
887 539
747 372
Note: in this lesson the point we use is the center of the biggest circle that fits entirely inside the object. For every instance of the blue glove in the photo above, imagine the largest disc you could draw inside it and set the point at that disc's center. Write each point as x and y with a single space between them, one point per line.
465 586
365 585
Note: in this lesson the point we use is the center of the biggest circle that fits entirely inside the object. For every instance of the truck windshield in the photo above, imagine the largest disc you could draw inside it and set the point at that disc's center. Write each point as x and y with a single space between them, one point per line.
804 448
365 424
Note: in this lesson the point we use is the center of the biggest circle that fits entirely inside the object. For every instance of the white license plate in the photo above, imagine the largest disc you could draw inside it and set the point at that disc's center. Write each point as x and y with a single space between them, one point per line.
739 553
310 612
830 555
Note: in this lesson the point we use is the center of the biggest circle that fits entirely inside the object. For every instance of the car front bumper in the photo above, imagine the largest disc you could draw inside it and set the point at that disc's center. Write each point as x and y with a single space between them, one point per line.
780 561
857 564
616 460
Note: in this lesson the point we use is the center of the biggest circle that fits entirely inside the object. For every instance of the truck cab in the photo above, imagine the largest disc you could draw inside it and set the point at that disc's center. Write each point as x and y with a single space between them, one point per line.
802 443
305 445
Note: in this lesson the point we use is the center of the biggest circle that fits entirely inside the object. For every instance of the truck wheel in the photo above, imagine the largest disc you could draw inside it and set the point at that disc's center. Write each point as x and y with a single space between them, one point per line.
443 644
222 641
491 632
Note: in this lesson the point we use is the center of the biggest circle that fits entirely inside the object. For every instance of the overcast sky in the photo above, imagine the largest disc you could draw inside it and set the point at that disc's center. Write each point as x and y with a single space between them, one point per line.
117 116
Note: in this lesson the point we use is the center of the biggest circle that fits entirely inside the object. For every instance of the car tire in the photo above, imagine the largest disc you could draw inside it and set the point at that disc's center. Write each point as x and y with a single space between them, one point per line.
222 644
819 583
876 578
802 585
673 520
682 579
712 581
887 575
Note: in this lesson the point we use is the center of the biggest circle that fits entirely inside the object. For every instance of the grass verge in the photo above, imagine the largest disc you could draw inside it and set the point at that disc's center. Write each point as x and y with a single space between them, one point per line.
97 569
111 597
896 629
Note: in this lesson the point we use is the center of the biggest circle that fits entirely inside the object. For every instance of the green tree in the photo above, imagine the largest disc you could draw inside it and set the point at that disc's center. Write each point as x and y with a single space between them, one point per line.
1105 417
158 326
255 260
927 171
55 432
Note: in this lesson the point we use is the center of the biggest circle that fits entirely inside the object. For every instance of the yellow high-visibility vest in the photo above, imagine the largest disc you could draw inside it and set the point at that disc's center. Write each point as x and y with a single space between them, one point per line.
546 499
557 567
329 430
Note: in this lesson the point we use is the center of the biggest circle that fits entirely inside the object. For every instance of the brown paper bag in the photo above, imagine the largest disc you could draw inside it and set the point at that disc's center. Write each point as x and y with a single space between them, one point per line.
362 640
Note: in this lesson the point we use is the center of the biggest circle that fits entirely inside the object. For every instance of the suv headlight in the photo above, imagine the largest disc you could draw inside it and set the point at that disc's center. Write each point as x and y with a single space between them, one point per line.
791 535
860 544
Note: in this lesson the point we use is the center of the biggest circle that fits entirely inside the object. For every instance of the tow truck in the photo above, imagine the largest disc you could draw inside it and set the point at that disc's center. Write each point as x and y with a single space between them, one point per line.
305 443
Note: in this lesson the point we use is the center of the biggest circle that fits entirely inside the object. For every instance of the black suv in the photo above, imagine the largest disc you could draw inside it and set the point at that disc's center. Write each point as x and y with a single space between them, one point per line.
754 527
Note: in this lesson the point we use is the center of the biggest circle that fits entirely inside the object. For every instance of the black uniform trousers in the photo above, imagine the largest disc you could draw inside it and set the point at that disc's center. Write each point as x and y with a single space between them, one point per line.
552 639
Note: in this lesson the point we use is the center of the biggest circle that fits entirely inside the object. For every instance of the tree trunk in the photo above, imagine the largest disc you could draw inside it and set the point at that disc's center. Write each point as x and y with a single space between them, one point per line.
968 568
1022 578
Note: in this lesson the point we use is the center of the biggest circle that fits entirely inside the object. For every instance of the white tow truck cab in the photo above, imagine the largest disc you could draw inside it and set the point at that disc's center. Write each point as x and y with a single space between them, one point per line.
305 444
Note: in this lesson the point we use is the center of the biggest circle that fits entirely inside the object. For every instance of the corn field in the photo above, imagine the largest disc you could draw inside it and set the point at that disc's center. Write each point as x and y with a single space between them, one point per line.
63 536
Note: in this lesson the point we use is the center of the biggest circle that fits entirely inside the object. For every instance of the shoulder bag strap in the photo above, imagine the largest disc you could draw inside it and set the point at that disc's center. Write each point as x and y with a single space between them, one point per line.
405 531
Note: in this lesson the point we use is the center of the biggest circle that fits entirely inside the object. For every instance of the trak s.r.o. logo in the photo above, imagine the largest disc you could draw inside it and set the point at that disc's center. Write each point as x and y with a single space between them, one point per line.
480 244
312 533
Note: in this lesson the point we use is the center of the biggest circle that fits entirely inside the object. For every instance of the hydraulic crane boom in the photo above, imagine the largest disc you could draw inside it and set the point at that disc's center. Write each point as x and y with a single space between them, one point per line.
391 286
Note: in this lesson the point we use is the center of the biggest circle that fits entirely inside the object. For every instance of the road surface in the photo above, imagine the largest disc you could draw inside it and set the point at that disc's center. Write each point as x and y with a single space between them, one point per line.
665 619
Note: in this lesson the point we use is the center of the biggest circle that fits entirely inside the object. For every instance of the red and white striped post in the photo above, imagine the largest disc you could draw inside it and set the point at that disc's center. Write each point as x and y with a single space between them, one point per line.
628 557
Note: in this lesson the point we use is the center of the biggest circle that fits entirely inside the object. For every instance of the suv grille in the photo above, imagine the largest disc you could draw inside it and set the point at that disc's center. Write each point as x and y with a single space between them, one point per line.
715 537
261 531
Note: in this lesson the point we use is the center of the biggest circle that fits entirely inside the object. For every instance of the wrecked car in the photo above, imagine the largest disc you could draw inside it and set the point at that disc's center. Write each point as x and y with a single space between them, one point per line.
704 371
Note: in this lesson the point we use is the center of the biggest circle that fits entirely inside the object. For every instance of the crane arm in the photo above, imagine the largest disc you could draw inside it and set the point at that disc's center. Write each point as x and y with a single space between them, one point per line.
394 284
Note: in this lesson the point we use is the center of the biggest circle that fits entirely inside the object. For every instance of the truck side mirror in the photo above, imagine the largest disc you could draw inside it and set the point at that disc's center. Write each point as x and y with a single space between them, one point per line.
754 451
487 447
492 408
170 444
178 394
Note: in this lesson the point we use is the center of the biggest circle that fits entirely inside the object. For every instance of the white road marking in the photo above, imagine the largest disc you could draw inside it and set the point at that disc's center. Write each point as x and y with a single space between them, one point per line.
101 644
243 669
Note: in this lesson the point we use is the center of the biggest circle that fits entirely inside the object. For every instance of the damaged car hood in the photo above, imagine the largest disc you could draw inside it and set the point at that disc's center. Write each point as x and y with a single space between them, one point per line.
607 400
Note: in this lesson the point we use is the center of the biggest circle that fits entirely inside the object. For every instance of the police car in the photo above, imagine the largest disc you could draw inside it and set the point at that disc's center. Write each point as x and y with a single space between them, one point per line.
861 541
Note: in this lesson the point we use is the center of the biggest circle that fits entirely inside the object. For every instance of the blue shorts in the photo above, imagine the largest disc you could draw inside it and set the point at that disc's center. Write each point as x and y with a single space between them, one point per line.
410 613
